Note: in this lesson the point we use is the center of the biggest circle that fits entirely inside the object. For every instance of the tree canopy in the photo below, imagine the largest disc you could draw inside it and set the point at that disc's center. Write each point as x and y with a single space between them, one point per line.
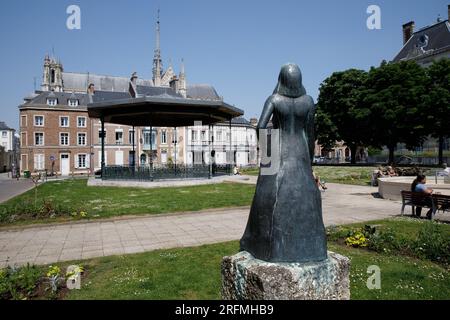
341 116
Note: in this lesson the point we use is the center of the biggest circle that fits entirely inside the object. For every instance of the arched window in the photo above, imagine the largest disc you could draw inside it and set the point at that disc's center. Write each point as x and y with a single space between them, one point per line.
52 76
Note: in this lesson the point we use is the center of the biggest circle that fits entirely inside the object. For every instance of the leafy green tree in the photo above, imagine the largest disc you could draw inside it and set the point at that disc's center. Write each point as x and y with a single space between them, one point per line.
341 115
438 102
396 96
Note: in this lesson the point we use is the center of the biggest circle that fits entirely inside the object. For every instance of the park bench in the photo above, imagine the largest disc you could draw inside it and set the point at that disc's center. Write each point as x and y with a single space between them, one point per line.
436 202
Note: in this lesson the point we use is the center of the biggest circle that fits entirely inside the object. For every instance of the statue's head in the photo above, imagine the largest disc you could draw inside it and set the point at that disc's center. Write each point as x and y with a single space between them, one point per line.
290 81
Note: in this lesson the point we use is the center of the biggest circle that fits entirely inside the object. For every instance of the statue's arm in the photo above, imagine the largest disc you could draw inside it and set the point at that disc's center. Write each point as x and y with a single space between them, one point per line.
265 116
310 129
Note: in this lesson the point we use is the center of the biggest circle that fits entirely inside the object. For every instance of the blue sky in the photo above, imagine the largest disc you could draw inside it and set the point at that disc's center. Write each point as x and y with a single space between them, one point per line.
237 46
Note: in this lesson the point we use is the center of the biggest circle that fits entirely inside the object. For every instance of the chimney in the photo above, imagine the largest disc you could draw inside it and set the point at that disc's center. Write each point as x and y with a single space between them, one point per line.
91 89
254 122
408 30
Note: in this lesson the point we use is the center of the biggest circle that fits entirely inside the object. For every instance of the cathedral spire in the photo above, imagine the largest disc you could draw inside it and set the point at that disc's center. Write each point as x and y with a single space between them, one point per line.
157 62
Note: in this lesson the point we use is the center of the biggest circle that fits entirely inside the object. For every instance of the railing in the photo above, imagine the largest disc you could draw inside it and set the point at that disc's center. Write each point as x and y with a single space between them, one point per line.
155 172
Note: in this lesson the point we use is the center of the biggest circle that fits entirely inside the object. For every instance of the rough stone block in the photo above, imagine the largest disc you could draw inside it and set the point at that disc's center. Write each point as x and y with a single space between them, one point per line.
247 278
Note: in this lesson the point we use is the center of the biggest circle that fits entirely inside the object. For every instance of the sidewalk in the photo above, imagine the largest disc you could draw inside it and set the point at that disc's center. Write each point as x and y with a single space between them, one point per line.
74 241
10 188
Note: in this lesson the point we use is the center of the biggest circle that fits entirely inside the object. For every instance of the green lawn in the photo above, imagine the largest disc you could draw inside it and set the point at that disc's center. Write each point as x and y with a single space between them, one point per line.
101 202
194 273
335 174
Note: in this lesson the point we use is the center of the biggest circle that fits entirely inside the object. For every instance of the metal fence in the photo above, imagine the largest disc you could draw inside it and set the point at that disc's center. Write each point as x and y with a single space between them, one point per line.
163 172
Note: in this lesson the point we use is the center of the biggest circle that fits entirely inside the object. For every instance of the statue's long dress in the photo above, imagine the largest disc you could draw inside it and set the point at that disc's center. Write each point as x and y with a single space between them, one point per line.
285 222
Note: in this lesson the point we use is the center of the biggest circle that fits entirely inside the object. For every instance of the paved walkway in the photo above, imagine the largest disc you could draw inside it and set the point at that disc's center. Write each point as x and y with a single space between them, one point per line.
10 188
74 241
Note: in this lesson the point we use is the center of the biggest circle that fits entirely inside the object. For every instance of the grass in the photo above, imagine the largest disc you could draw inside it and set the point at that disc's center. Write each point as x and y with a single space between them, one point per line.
102 202
335 174
194 273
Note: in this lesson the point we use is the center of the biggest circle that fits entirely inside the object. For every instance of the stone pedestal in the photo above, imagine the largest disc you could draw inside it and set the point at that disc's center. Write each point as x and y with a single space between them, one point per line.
247 278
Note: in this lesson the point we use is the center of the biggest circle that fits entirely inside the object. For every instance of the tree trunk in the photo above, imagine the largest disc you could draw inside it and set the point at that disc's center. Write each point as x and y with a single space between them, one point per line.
353 153
441 150
391 154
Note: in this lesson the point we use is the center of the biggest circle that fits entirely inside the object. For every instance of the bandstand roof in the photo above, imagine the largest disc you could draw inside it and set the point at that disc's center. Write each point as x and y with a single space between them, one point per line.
163 110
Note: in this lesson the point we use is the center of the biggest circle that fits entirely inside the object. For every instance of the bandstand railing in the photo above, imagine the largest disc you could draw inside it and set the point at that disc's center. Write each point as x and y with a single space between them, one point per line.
163 172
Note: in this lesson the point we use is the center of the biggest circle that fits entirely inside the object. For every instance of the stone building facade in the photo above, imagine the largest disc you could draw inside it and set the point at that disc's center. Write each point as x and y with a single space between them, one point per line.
58 136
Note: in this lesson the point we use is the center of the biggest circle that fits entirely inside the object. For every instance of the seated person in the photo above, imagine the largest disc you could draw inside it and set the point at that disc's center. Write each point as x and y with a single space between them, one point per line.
418 185
391 172
318 182
446 171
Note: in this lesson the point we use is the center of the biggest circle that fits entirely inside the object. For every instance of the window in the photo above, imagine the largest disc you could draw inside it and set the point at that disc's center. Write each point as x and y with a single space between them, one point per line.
64 139
81 122
52 102
131 136
203 135
119 137
219 135
23 121
39 162
100 135
4 134
23 140
163 137
194 135
38 138
64 122
146 137
81 139
39 121
82 163
73 103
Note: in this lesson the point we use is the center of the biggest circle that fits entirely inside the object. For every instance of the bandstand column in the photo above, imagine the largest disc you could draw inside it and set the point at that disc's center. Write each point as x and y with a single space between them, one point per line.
102 120
175 141
231 149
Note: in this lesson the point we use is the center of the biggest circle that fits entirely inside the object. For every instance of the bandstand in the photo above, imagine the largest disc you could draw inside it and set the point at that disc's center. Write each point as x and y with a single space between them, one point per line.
163 110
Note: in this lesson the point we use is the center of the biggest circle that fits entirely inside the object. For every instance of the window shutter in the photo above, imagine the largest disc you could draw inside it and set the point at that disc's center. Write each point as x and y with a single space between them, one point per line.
88 161
76 161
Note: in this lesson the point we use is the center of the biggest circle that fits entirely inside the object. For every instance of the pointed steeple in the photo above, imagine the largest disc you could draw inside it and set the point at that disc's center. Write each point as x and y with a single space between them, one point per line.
157 62
182 82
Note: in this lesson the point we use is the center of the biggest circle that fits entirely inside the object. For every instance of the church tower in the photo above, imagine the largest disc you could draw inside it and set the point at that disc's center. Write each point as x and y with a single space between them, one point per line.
157 62
52 77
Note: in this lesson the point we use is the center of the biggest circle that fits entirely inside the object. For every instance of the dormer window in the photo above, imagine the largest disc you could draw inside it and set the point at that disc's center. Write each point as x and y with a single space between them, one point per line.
73 102
52 101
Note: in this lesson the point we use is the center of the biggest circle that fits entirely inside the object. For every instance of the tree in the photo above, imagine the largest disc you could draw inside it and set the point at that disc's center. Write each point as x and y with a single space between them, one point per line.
341 115
396 96
438 102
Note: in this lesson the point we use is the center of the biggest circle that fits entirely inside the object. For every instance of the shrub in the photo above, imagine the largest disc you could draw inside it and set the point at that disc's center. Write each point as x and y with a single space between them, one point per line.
19 283
356 239
431 243
27 210
386 240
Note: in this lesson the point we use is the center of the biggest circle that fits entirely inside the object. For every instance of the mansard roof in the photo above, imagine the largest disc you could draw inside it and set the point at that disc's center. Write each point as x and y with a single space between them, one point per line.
202 92
3 126
425 42
79 82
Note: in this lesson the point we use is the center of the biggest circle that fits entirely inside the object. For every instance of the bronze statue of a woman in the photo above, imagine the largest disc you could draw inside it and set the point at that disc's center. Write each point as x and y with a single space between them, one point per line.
285 222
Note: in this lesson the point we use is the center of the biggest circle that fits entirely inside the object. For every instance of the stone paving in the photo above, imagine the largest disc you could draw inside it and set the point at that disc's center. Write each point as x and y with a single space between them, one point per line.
74 241
9 188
